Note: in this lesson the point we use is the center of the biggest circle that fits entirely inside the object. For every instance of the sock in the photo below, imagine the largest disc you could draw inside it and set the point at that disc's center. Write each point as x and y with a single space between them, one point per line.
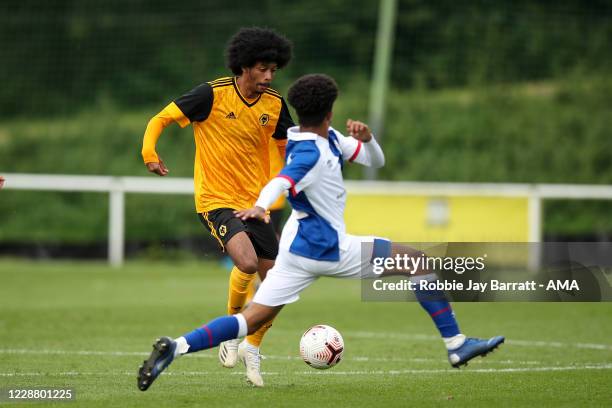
181 347
436 304
454 342
214 332
250 291
238 289
256 338
251 348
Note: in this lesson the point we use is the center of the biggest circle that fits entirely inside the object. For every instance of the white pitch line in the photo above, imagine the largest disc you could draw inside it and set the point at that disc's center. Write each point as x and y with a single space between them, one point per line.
512 342
271 357
466 370
328 372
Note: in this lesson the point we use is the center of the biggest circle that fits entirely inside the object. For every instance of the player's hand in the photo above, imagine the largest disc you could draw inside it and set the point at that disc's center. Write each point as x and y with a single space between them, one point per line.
254 212
358 130
158 168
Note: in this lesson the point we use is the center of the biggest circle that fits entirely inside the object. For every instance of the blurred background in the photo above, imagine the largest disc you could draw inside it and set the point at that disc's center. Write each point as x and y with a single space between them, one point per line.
478 91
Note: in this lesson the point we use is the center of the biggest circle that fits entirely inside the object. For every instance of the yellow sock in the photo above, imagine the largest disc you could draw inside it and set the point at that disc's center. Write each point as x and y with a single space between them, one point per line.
238 288
251 290
256 338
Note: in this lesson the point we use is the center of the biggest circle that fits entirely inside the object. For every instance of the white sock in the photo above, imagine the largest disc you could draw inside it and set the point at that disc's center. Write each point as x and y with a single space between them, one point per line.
181 347
242 325
430 277
454 342
251 347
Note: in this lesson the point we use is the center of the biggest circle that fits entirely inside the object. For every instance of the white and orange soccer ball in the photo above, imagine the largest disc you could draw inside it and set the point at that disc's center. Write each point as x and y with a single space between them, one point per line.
321 347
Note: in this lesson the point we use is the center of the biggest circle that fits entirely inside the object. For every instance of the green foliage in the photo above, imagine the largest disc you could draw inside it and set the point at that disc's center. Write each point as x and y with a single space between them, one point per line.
58 56
549 132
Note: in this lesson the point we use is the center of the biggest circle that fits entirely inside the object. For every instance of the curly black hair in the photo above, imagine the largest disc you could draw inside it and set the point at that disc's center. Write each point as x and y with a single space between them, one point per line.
255 44
313 96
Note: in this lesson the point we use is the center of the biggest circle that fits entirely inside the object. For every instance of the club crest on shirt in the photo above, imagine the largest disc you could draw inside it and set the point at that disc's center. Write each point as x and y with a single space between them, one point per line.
264 119
222 230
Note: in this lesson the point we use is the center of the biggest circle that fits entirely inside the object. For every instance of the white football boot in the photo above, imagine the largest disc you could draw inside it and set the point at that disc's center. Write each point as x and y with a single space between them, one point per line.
251 358
228 353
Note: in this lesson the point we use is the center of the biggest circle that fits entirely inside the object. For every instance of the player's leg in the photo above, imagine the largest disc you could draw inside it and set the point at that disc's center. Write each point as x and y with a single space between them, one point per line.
282 286
241 251
255 339
259 319
256 315
232 236
230 233
279 288
265 244
355 264
221 329
253 249
435 302
248 350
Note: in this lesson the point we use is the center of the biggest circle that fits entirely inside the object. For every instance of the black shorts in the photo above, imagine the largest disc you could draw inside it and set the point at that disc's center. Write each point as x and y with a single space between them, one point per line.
223 225
276 218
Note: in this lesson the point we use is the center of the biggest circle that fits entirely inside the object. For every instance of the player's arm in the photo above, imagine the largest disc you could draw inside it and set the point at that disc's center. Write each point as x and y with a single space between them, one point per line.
285 121
361 147
154 130
268 195
194 106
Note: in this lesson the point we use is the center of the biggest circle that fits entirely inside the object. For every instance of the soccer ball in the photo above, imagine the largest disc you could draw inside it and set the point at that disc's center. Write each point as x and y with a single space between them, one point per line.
321 347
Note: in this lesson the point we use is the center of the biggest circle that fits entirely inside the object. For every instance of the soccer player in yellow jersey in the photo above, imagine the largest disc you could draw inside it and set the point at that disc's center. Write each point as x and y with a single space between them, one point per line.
234 119
276 210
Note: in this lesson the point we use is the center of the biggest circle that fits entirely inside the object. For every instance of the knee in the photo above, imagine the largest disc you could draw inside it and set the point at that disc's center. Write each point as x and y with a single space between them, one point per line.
246 264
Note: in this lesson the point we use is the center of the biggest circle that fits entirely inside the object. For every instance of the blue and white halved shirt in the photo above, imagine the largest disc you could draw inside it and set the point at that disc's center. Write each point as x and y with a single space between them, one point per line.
314 166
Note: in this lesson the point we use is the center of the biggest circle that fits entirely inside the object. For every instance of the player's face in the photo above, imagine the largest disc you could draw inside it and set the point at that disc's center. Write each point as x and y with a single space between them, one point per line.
260 76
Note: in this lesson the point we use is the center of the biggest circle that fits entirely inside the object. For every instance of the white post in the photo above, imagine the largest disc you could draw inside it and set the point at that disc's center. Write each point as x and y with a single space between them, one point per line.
116 225
383 55
535 230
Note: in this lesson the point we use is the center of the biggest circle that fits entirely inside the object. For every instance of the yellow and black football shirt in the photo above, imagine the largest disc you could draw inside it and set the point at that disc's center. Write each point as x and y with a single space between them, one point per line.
276 165
232 136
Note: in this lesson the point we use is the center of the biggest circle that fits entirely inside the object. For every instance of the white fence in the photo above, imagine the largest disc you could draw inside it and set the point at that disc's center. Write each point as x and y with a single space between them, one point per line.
117 187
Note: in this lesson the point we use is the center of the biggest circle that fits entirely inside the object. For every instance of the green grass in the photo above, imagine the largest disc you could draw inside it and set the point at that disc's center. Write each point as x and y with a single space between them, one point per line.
86 326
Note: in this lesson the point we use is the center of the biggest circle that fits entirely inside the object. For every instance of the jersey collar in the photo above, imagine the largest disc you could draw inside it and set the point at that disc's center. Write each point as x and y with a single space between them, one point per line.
242 98
293 133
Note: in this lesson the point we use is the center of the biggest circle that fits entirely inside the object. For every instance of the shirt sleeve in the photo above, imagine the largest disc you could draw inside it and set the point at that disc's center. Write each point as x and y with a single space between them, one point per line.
301 167
353 150
284 122
350 147
196 104
154 130
272 191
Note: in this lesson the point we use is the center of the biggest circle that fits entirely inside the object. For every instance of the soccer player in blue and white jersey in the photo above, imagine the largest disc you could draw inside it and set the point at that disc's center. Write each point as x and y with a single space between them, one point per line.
314 241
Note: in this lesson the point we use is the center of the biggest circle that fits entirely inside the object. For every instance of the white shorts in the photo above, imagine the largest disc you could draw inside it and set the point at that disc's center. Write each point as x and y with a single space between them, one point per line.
292 273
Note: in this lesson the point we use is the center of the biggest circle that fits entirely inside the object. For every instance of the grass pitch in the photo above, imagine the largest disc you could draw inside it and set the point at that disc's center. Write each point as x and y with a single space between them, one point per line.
88 327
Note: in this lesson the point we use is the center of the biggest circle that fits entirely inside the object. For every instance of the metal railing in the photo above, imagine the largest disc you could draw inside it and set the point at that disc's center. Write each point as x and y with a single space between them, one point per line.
117 187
